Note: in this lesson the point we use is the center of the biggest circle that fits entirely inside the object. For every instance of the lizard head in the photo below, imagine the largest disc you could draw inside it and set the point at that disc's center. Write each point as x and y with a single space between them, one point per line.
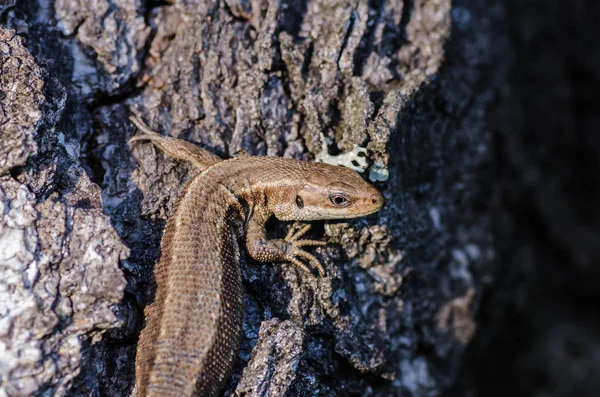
331 192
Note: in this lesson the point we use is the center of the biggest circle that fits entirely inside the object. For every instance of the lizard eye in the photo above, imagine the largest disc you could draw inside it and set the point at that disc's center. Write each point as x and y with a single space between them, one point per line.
299 202
339 200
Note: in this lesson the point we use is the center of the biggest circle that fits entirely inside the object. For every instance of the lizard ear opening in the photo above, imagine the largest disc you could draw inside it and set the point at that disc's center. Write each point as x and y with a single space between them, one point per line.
299 202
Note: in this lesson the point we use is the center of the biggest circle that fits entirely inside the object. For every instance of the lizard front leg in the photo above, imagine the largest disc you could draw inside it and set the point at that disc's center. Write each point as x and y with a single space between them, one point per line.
288 249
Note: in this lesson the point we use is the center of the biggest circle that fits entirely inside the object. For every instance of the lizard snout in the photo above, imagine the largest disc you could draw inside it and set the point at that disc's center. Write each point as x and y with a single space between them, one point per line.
371 203
377 200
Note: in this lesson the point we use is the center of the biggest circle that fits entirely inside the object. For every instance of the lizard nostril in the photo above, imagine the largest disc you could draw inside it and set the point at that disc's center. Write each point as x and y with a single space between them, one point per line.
376 199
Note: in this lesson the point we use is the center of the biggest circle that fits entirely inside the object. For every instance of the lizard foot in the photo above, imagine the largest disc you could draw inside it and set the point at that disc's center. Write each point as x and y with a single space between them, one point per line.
295 252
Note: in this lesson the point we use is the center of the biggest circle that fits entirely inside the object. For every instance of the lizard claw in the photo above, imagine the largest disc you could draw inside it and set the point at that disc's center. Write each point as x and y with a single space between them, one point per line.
294 234
309 243
297 252
299 264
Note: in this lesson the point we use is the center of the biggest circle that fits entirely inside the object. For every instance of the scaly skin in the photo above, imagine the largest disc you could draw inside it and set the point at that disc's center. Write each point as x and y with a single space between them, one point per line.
193 326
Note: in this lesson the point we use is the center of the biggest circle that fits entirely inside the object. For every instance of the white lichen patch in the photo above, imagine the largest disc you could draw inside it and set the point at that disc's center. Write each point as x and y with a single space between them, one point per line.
355 159
378 172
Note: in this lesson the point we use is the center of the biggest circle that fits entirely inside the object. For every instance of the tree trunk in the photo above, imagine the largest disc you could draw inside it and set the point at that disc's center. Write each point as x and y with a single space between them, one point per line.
83 212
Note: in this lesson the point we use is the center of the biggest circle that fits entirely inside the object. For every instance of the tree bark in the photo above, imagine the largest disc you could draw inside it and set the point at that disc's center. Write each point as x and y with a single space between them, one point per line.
83 213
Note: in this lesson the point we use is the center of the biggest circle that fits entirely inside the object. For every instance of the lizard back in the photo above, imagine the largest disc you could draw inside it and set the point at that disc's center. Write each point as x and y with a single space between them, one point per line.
193 325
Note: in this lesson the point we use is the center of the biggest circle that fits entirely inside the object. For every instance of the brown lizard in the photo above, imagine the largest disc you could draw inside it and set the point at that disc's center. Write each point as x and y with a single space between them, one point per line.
193 326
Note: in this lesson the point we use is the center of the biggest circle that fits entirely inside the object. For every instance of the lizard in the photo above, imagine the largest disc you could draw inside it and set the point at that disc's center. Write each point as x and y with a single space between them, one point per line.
192 327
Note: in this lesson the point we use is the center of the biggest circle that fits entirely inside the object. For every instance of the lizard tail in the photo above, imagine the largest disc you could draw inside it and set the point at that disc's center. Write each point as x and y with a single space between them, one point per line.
176 148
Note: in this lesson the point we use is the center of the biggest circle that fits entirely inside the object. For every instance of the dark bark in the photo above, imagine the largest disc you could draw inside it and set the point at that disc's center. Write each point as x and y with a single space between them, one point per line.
433 92
539 321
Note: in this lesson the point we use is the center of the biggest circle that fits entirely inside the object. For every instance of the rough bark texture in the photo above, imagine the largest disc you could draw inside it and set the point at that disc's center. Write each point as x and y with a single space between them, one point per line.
446 97
59 255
